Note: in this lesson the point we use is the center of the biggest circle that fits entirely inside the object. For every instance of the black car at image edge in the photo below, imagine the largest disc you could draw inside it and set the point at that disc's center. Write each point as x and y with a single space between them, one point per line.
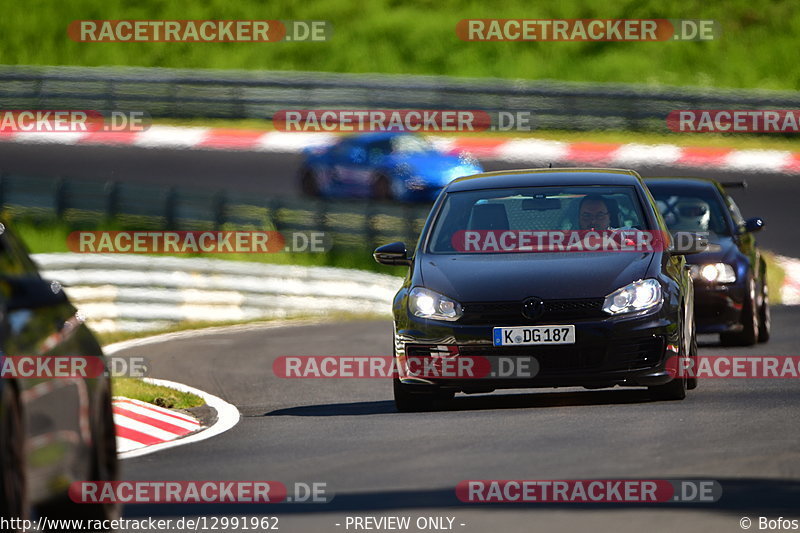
54 431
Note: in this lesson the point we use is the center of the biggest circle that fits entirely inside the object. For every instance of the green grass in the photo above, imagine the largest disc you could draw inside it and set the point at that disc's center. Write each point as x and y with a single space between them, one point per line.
136 389
51 236
387 36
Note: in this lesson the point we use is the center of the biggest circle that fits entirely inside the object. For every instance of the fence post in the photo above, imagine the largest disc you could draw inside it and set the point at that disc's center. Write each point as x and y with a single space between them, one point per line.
370 236
410 231
220 207
60 196
274 213
170 208
112 199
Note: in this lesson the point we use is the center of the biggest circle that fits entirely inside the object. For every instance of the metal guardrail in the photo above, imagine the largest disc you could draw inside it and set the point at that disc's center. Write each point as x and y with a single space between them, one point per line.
134 293
346 223
260 94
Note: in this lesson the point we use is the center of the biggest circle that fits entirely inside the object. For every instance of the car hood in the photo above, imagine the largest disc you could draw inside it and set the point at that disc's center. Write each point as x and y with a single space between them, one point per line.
436 167
720 249
507 277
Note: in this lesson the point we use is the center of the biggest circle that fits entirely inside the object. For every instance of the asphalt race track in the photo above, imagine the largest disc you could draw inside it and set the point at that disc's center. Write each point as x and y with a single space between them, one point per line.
771 196
377 462
346 433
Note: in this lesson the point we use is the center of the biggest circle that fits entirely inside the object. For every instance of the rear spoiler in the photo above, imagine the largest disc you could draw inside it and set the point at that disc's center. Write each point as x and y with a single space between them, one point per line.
734 184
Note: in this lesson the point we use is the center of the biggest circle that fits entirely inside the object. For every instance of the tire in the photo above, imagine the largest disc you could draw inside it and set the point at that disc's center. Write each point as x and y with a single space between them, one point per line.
13 477
675 389
691 383
309 185
764 316
749 334
382 188
409 402
104 467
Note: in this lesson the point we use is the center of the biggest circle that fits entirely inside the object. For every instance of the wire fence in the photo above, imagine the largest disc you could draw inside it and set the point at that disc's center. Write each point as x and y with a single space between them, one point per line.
347 224
260 94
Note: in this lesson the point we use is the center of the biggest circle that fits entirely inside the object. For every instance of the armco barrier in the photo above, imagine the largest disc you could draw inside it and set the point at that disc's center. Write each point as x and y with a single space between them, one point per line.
260 94
123 292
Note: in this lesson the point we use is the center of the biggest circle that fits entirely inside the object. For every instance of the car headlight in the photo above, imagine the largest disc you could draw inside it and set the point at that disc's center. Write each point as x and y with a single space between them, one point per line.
713 273
638 296
424 303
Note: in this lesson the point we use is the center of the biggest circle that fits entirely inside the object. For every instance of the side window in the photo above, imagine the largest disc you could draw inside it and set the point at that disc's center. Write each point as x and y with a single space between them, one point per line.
738 220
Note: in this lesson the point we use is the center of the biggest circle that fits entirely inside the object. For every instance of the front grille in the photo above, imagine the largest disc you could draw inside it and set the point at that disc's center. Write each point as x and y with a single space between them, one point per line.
510 313
568 358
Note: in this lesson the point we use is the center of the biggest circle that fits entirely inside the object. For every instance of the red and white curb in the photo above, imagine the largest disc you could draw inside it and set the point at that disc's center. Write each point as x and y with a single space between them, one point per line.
522 150
170 429
141 424
790 291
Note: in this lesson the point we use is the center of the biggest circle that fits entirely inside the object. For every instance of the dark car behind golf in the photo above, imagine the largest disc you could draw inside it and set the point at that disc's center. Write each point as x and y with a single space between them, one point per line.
625 314
730 278
55 430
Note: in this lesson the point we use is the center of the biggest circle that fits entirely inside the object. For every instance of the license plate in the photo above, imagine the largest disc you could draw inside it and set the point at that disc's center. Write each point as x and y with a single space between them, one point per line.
532 335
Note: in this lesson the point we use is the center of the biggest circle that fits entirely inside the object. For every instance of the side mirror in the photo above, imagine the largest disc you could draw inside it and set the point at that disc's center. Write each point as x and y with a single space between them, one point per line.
753 225
393 254
31 293
686 243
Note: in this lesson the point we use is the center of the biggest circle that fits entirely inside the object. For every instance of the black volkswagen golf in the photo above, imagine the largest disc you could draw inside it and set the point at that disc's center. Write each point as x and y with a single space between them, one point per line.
571 270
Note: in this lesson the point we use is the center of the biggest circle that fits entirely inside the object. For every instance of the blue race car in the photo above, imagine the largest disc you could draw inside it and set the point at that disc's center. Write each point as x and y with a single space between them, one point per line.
383 166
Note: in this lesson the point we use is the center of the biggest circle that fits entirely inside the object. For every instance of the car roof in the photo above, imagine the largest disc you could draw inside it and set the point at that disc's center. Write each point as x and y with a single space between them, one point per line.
687 183
375 136
545 177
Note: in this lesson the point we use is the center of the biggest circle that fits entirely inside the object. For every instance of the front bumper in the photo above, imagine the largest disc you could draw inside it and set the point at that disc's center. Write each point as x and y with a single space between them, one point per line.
628 351
718 308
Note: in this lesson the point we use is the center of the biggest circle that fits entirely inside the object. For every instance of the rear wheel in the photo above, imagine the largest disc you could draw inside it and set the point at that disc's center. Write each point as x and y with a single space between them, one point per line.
13 479
382 188
750 328
411 402
691 382
308 182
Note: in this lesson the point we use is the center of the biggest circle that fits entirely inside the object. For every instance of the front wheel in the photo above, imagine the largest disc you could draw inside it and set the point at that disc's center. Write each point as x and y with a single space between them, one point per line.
750 328
764 318
412 402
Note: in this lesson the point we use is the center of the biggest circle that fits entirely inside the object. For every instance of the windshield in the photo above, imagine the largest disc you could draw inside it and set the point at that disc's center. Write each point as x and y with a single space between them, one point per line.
535 209
691 210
